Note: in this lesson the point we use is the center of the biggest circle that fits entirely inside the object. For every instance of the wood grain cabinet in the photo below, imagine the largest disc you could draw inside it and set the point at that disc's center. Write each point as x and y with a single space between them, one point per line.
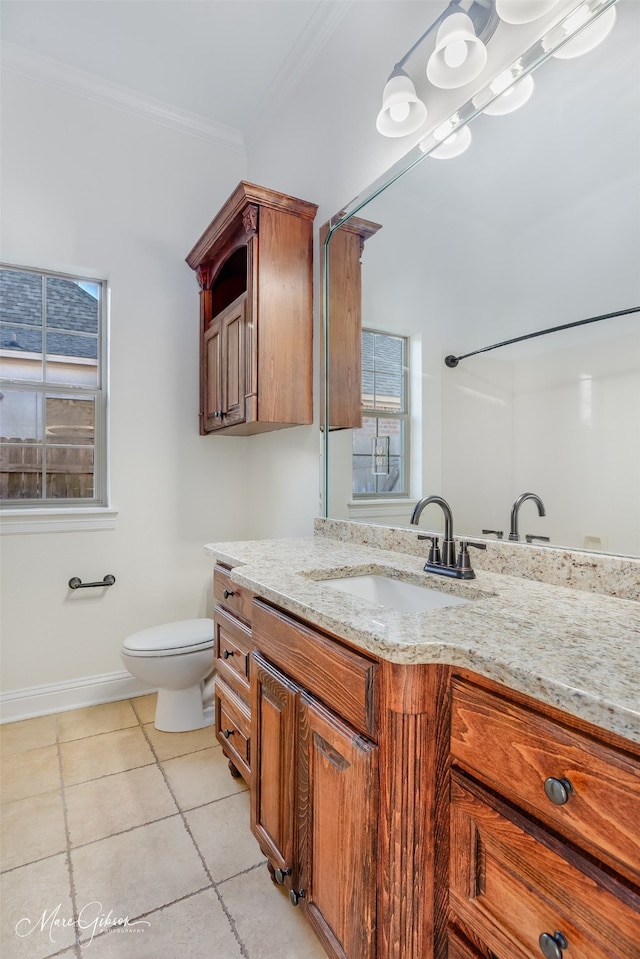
342 304
254 268
232 647
545 834
314 796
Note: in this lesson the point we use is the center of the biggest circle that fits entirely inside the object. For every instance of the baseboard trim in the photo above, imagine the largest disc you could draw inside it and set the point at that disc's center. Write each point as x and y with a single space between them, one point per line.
74 694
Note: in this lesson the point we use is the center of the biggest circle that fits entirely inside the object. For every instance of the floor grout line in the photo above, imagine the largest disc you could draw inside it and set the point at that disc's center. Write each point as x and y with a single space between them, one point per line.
72 888
220 888
214 885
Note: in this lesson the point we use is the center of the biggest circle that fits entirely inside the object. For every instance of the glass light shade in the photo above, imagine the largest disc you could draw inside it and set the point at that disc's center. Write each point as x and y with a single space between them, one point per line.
402 111
512 99
454 145
459 56
589 37
523 11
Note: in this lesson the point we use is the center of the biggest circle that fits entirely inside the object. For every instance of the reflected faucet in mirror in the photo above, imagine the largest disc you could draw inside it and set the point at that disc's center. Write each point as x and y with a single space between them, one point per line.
514 535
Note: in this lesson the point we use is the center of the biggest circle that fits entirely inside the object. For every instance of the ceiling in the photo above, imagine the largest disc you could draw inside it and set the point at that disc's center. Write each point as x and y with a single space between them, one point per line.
225 61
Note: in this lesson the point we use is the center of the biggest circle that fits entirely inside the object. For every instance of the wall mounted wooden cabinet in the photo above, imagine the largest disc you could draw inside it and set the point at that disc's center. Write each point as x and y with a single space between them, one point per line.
254 266
342 255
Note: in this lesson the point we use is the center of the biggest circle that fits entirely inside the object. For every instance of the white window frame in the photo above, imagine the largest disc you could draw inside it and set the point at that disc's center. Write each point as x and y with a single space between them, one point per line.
404 416
54 514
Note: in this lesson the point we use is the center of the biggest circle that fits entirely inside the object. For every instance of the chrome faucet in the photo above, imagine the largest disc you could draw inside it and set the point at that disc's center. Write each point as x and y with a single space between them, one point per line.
445 563
514 535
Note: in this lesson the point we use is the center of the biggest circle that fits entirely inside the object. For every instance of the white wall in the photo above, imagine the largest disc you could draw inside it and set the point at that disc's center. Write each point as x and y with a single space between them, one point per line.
86 187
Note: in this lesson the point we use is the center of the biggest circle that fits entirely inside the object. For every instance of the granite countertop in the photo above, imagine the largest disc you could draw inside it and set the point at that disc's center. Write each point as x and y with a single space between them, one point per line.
571 649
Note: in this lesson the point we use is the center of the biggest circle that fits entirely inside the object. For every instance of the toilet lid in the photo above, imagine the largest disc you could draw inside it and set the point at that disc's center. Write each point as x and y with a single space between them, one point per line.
171 638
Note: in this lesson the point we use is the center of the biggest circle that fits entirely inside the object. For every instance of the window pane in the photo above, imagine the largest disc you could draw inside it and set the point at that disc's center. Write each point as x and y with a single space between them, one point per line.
362 436
20 352
21 417
394 429
69 472
51 332
389 392
70 421
71 306
72 359
363 478
394 482
20 471
21 297
388 353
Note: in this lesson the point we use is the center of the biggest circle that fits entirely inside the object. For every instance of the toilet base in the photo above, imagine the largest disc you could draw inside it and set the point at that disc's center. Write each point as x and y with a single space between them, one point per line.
180 710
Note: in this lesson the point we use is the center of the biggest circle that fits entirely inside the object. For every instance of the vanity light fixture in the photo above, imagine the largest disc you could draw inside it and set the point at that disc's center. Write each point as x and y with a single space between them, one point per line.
511 98
402 111
452 141
460 55
454 145
523 11
588 38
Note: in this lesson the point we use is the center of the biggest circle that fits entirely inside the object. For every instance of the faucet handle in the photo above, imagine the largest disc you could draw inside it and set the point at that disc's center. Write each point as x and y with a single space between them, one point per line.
498 533
434 558
463 562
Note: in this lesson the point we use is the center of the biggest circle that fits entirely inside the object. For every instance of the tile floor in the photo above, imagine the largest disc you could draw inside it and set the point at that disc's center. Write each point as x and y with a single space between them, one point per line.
104 819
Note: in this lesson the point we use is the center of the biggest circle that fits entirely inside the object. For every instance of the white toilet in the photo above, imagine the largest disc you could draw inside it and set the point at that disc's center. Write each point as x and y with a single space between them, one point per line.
177 659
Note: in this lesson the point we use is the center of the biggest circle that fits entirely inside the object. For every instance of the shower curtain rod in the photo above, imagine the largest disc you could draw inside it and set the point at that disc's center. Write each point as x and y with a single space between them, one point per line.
452 361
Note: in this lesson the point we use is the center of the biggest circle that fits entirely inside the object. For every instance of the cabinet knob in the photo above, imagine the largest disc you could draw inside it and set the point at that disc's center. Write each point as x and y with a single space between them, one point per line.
295 895
227 593
280 874
226 653
552 945
227 732
558 790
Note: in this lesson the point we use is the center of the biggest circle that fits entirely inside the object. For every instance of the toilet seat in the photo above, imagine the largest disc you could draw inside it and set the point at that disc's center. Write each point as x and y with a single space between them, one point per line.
171 639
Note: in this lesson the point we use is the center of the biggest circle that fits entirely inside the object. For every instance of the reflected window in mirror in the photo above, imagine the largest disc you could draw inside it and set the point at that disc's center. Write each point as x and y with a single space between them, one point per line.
381 445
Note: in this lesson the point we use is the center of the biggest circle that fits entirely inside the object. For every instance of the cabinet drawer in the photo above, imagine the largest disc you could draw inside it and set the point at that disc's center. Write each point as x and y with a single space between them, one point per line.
226 593
515 750
339 677
509 887
233 727
232 649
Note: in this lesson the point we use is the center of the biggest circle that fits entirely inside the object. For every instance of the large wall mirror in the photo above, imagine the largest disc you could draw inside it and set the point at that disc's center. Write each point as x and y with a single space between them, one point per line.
536 225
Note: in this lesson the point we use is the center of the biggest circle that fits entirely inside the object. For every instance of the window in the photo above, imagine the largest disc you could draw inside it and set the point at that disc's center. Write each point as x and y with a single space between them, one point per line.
52 390
381 445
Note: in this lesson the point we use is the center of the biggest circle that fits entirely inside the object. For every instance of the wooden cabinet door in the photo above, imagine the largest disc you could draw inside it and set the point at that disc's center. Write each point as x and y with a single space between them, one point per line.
274 708
233 361
212 377
337 828
512 883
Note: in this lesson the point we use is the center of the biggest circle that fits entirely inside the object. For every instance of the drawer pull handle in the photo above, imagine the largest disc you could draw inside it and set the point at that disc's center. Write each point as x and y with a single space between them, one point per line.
552 945
295 895
227 593
558 790
280 874
226 653
227 732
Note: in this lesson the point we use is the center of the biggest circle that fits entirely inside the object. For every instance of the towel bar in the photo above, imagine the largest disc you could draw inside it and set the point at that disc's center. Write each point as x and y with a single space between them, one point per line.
76 583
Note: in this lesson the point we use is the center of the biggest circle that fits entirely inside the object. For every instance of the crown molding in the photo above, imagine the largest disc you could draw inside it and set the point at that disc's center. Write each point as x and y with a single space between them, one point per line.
24 63
320 27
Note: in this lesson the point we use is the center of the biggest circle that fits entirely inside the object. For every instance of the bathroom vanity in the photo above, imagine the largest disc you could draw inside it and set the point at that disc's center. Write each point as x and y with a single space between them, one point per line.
462 781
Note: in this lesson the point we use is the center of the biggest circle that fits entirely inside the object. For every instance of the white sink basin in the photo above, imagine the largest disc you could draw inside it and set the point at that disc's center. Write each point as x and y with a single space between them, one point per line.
394 593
